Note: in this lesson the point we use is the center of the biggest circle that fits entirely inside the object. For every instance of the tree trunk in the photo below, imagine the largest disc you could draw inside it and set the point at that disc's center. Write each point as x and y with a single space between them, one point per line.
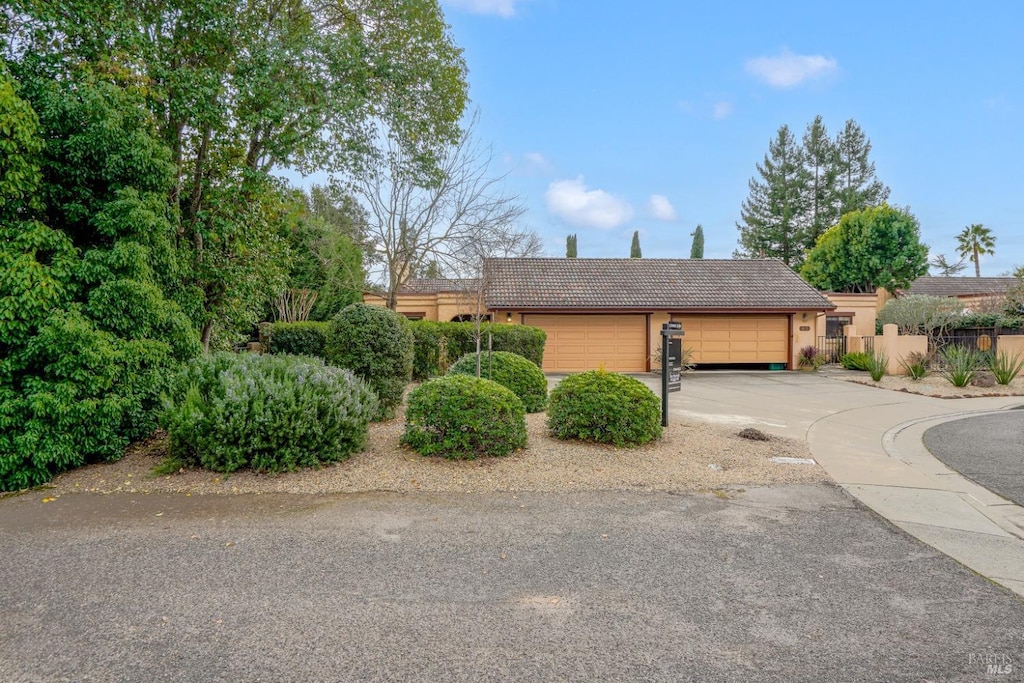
977 263
205 335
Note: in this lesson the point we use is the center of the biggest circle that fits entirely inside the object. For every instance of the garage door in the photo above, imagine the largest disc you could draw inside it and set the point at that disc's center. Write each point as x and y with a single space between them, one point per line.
586 342
736 339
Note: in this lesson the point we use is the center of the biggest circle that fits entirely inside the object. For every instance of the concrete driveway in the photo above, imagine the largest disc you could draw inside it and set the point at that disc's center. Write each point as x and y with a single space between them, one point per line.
871 442
780 584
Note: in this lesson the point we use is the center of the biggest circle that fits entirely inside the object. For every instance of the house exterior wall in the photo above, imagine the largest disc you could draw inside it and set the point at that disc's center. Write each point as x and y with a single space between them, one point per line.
863 307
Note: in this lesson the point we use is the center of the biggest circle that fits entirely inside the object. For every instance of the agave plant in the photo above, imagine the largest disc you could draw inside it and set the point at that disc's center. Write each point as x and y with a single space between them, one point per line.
1005 367
961 362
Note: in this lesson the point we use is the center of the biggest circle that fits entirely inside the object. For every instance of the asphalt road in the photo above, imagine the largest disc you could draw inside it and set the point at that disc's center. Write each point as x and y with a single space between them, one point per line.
988 449
782 584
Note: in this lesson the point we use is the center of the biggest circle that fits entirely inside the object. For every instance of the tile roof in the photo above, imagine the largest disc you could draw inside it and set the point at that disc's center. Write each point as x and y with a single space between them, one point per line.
436 285
647 284
960 286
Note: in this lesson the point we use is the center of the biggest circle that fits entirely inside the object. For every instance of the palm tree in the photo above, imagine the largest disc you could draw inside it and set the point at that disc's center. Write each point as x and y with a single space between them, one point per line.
974 241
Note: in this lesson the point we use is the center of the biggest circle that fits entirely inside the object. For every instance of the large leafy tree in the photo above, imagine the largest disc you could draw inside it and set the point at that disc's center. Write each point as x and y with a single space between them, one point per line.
876 247
87 332
239 88
772 215
974 241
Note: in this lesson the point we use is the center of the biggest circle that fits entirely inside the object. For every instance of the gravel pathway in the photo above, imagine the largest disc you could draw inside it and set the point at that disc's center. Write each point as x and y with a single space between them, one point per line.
690 456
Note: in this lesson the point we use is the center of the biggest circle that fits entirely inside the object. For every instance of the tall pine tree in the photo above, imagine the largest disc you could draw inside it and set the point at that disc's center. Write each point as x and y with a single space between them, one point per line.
820 159
857 188
697 246
772 215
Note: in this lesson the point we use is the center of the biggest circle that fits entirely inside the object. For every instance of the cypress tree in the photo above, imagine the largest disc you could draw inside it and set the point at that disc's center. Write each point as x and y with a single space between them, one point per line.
570 246
772 215
634 249
697 246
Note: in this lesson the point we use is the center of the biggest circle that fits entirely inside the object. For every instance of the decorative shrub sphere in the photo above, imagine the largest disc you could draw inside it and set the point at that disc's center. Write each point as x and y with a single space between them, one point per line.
463 417
375 343
605 407
269 413
512 371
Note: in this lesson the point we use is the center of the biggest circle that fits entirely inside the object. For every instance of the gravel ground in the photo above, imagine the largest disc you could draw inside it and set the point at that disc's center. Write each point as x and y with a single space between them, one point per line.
689 457
932 385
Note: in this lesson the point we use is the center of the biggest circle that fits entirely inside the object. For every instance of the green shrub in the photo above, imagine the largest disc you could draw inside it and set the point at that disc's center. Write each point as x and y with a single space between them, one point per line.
463 417
436 343
605 407
1005 367
269 413
855 360
915 364
811 357
959 364
376 344
515 373
301 339
878 365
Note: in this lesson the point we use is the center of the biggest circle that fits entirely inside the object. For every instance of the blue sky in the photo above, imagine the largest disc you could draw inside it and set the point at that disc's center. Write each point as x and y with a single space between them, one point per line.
612 117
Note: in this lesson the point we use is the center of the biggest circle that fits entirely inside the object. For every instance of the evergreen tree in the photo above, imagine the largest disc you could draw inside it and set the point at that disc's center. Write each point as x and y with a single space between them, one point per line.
820 159
973 241
945 268
773 212
856 187
697 246
570 246
634 248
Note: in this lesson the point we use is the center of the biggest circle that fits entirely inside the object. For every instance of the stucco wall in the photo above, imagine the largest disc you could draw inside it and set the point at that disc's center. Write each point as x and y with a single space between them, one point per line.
897 347
864 308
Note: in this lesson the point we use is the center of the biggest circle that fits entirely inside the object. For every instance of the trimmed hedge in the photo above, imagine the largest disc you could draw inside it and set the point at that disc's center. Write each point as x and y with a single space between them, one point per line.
438 344
301 339
269 413
512 371
605 407
376 344
462 417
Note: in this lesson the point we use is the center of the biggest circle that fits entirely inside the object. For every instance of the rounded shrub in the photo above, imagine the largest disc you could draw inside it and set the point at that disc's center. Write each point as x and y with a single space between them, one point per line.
605 407
462 417
512 371
375 343
269 413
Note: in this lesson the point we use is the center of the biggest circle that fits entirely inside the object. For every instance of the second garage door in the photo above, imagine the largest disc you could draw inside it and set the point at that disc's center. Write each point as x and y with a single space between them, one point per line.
736 339
586 342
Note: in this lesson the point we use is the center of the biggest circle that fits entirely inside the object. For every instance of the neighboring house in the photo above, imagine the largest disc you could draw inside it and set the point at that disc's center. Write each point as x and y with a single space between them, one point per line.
858 310
442 299
976 293
608 312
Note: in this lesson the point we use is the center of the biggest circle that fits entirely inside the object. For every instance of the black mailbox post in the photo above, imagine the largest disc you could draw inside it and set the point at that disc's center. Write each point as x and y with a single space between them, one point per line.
671 364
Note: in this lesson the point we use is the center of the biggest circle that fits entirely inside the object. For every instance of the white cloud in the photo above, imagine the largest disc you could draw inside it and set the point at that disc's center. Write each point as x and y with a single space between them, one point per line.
788 70
535 161
721 109
661 208
571 201
501 8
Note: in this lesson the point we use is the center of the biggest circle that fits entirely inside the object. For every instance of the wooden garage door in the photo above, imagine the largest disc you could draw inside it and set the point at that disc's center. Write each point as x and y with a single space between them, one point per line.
736 338
585 342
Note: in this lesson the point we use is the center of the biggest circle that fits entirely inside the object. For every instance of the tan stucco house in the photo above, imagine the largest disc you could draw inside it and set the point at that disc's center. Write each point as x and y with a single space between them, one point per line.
608 312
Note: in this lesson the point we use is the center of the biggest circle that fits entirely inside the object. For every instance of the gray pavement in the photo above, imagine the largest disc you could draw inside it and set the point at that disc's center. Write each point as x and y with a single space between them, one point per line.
871 442
779 584
988 449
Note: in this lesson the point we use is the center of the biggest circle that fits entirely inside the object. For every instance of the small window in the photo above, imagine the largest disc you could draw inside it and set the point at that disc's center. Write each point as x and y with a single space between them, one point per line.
834 324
